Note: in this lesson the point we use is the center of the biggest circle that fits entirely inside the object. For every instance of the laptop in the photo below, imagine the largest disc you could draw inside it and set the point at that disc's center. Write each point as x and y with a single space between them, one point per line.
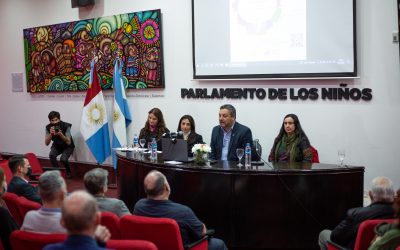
175 150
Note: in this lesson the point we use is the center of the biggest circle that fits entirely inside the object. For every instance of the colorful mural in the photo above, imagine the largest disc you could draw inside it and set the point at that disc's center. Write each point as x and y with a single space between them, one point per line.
57 57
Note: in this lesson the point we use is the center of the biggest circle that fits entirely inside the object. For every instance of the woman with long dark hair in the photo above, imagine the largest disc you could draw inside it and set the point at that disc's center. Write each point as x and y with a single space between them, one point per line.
187 126
291 144
154 127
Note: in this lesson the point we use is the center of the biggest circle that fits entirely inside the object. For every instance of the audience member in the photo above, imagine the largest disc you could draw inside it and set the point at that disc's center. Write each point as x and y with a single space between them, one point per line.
7 223
388 234
80 216
291 144
53 190
47 219
187 126
228 135
158 205
96 184
344 234
154 127
60 133
19 185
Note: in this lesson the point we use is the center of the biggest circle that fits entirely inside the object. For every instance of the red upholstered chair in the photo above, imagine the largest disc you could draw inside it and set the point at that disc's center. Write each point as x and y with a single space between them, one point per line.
25 205
315 158
22 240
163 232
11 200
37 168
334 246
6 169
130 244
111 221
366 234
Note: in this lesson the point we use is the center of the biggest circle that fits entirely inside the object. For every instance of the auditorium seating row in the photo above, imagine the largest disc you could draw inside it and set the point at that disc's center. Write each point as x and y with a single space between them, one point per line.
365 235
162 233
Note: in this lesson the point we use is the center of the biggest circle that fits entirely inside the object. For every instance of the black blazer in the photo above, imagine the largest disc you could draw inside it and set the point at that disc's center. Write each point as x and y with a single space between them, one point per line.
20 187
193 139
239 137
346 232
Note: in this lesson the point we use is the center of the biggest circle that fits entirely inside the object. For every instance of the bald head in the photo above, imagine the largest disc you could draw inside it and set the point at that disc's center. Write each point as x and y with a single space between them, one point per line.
80 213
382 190
156 185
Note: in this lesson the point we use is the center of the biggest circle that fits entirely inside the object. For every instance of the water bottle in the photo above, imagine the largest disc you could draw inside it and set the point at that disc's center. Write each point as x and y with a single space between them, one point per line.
153 155
247 155
135 141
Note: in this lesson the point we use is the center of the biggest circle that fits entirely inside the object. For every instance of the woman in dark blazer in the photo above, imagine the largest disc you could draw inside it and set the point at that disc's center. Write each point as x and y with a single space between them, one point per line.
188 128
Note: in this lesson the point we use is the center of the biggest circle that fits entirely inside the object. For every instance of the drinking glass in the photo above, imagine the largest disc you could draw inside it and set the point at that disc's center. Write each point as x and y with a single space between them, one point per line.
341 155
142 142
239 154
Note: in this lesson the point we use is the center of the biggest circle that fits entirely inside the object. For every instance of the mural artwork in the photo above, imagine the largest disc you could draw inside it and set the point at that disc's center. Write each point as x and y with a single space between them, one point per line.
57 57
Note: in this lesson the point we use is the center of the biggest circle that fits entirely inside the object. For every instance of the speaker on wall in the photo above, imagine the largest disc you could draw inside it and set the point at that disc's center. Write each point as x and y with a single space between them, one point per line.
81 3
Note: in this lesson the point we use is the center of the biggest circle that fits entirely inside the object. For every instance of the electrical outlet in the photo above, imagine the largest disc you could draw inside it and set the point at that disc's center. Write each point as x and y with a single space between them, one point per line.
395 36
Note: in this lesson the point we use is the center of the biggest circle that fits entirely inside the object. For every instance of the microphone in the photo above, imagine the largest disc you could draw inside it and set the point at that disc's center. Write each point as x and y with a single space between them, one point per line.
172 134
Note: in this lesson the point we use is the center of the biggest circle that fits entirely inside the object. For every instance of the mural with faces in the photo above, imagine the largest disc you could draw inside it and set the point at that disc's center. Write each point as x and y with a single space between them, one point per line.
58 57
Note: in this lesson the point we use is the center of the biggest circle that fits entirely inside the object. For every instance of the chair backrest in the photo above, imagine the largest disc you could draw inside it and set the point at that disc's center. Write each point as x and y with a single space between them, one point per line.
25 205
315 158
11 200
34 162
163 232
332 246
22 240
111 221
6 169
366 233
130 244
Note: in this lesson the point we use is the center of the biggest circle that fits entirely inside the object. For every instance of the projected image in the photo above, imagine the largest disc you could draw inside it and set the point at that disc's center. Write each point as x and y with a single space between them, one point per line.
267 30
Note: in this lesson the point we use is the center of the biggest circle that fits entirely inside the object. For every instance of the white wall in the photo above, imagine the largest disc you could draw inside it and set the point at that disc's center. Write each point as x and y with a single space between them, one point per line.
368 131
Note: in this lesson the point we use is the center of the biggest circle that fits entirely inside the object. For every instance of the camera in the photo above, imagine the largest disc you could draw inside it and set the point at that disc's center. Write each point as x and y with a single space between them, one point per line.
56 129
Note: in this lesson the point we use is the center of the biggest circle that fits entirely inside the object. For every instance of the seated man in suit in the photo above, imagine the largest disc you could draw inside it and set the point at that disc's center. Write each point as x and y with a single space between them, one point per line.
228 135
96 184
158 205
80 216
19 185
381 207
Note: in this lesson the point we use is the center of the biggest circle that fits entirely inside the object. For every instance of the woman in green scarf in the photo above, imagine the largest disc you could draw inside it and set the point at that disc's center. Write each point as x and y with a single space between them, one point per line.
291 144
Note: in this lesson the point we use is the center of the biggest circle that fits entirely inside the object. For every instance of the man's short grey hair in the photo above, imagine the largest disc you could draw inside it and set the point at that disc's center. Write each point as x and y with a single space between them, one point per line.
50 184
230 108
382 189
95 180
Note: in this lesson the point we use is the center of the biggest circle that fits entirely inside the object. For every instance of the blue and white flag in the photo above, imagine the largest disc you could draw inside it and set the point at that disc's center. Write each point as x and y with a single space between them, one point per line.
94 125
121 115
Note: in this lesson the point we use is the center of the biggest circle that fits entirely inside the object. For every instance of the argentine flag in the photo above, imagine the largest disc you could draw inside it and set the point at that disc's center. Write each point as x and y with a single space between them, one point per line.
121 115
94 125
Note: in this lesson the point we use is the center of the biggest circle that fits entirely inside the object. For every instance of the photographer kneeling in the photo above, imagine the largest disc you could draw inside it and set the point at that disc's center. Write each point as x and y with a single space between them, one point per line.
60 133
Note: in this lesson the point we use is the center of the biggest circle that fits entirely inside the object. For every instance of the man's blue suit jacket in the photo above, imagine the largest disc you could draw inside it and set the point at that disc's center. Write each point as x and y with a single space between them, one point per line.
239 137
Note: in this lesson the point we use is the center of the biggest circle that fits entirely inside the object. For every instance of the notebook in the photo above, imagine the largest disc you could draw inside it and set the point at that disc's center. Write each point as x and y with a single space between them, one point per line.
175 150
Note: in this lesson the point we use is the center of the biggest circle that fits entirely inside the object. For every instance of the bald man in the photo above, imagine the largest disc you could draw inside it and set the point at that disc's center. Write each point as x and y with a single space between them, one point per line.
158 205
80 216
381 207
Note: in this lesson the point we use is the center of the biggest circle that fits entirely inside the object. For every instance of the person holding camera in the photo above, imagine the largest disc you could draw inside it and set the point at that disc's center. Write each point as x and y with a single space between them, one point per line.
60 133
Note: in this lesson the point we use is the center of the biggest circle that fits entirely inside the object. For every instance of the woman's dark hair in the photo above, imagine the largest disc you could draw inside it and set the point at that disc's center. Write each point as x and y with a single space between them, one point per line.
191 121
160 125
297 128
